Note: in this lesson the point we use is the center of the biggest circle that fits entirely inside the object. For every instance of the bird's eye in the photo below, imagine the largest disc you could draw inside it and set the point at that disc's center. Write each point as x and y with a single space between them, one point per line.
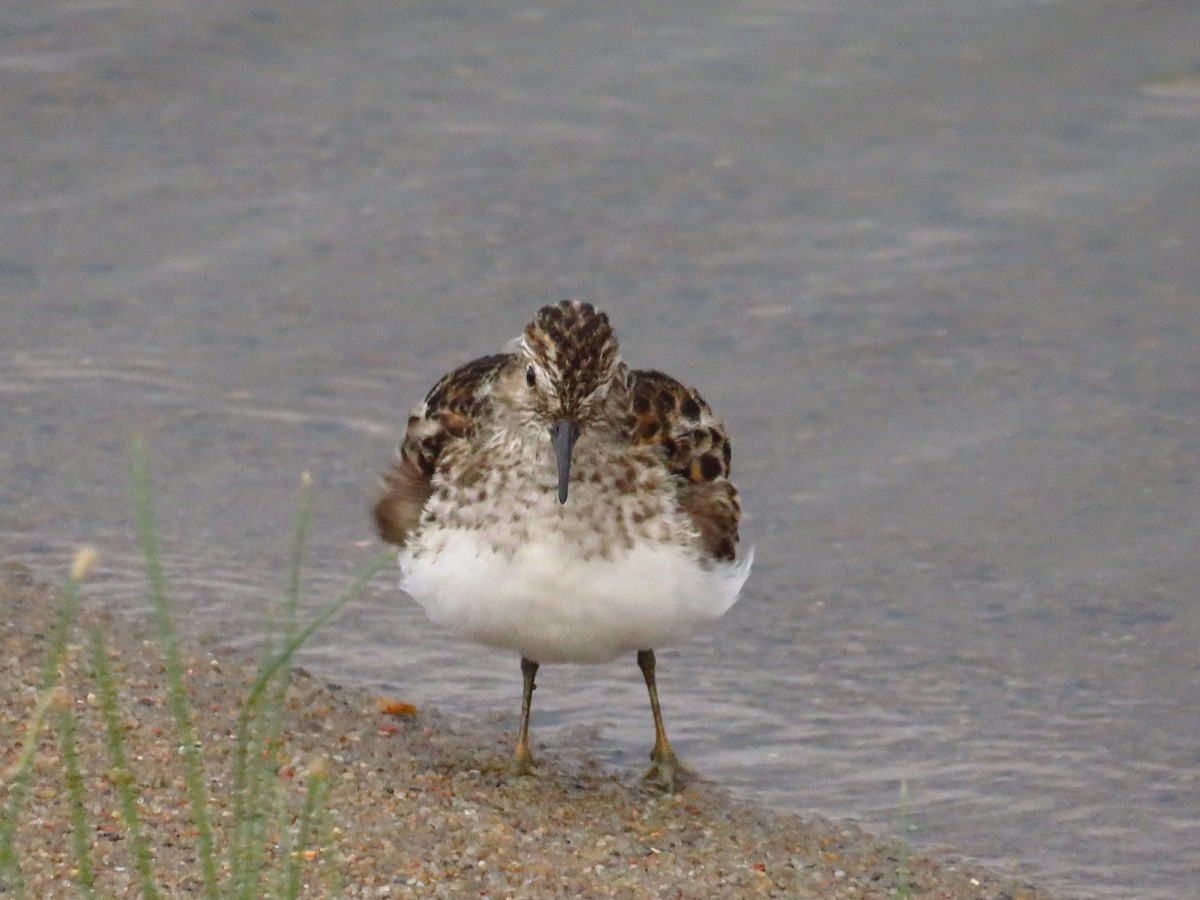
530 377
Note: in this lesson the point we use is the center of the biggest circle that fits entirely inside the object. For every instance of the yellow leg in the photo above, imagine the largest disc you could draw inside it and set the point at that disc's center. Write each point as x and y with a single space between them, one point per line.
523 763
665 769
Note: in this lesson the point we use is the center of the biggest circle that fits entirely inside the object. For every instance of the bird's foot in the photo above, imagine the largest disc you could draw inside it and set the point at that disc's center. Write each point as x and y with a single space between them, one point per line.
666 772
522 762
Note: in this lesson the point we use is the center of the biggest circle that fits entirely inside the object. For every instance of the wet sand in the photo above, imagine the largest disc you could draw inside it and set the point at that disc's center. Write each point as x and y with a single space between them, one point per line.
420 804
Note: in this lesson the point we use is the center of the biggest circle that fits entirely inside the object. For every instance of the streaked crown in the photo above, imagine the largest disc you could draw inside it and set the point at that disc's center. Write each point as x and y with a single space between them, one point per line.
573 346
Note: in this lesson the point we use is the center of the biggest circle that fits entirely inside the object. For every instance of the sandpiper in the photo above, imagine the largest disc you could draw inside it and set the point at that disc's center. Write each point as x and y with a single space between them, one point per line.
553 501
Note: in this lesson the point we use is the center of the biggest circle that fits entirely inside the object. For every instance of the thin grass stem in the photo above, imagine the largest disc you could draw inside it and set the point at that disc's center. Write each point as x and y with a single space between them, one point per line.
19 775
81 846
120 773
314 798
259 796
259 728
244 767
176 694
263 731
300 637
299 542
275 700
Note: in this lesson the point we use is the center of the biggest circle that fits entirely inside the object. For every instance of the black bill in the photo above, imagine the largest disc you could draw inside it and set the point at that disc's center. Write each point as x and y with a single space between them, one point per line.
562 435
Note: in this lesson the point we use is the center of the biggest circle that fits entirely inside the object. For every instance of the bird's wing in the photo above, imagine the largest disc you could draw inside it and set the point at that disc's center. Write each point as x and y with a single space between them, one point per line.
448 411
694 446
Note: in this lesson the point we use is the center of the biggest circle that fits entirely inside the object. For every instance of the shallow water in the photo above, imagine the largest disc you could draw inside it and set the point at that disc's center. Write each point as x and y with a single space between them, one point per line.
936 265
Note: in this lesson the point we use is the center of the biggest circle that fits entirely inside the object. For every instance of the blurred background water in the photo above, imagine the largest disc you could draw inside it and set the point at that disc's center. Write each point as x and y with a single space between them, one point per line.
936 264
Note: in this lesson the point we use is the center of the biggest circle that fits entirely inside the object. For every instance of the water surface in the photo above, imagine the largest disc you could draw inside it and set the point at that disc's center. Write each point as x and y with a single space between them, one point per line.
935 263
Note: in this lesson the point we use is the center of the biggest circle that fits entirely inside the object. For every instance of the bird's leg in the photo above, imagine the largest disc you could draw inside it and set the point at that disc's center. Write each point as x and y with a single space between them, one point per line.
523 763
665 768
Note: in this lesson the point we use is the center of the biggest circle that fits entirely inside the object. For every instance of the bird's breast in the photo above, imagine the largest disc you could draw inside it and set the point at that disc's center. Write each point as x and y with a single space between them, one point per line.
508 491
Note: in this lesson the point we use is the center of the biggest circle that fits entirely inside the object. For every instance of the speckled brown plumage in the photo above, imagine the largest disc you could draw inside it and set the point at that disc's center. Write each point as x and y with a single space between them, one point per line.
556 502
576 345
448 411
695 448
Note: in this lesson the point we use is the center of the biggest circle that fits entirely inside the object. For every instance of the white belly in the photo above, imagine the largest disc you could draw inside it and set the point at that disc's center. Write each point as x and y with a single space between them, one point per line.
551 604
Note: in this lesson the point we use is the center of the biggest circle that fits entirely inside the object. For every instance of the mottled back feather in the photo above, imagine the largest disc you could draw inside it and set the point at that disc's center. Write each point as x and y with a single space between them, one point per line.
448 411
573 345
695 449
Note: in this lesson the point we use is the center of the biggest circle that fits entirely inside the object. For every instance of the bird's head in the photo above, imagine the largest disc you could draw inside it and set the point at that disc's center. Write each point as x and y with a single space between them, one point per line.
569 354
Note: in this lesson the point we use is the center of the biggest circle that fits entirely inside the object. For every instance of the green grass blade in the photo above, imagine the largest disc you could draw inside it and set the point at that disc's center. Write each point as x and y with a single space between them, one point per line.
19 775
254 771
299 541
120 773
176 694
81 845
243 873
264 801
300 637
314 799
260 722
272 709
246 857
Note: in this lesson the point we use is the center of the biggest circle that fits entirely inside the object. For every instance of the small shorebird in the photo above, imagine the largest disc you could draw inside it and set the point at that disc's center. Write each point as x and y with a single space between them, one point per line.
553 501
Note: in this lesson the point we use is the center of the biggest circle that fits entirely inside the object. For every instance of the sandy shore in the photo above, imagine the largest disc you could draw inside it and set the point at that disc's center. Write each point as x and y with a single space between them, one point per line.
419 803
